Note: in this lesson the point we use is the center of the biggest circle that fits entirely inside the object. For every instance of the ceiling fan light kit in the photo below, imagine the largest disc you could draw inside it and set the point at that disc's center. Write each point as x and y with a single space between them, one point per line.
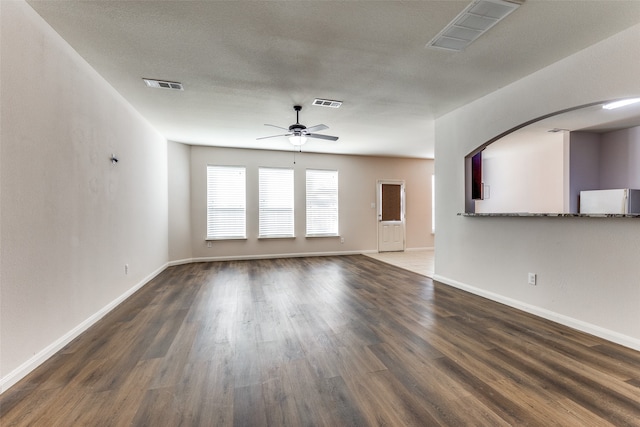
298 133
298 140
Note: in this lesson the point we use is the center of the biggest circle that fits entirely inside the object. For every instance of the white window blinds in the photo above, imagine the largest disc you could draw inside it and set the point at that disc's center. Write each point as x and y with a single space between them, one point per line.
226 202
322 202
276 208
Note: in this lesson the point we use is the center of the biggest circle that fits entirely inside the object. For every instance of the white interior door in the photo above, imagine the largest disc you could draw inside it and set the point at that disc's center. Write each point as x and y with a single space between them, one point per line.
391 226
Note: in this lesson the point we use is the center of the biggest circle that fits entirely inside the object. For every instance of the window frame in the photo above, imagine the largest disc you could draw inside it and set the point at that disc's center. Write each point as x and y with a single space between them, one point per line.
238 190
335 200
289 210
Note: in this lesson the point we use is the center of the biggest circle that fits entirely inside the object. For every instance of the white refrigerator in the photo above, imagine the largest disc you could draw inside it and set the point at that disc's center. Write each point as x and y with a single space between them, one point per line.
619 201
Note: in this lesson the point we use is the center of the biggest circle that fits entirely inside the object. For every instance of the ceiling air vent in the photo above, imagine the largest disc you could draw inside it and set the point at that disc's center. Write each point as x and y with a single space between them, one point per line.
327 103
471 23
162 84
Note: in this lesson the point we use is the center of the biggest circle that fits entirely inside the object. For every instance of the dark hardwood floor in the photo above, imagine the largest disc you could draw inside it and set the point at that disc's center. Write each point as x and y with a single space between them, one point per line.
329 341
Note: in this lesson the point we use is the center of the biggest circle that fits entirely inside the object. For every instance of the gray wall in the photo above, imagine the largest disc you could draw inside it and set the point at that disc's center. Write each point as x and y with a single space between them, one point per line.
587 267
357 221
70 220
179 170
620 159
584 165
604 161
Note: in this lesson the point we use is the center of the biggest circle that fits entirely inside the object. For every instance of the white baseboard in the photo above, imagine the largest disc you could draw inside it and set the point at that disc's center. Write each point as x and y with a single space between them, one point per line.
580 325
286 255
272 256
23 370
180 262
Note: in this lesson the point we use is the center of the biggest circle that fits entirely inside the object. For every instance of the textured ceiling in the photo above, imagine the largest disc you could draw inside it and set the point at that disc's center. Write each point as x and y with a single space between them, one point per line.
244 64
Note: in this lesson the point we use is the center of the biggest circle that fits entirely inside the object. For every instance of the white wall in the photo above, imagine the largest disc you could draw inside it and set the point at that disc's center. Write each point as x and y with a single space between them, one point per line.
70 220
525 173
357 182
179 170
587 267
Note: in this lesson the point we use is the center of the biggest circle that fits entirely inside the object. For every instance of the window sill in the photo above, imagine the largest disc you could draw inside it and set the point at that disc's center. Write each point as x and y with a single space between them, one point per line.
313 236
275 237
215 239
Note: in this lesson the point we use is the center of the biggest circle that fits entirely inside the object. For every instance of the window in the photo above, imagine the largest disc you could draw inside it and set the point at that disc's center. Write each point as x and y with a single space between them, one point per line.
226 202
276 202
322 202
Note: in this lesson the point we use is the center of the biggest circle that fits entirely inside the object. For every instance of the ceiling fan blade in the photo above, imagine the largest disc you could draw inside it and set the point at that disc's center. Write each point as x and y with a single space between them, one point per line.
317 128
274 126
319 136
275 136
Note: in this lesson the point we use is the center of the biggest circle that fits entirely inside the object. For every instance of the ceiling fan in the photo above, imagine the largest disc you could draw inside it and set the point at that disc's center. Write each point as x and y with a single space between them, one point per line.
298 133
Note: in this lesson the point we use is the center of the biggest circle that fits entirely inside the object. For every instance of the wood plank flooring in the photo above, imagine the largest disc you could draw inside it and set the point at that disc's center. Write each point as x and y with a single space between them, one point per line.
327 341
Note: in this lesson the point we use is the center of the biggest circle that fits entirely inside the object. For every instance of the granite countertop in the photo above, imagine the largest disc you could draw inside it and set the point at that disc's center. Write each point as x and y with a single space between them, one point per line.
564 215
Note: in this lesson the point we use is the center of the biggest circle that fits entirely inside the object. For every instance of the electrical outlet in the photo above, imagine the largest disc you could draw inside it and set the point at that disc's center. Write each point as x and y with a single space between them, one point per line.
126 269
209 244
532 279
342 240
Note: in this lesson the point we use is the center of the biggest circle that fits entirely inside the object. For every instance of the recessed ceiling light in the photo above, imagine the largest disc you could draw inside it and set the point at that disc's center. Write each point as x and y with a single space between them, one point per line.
163 84
621 103
326 103
475 20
